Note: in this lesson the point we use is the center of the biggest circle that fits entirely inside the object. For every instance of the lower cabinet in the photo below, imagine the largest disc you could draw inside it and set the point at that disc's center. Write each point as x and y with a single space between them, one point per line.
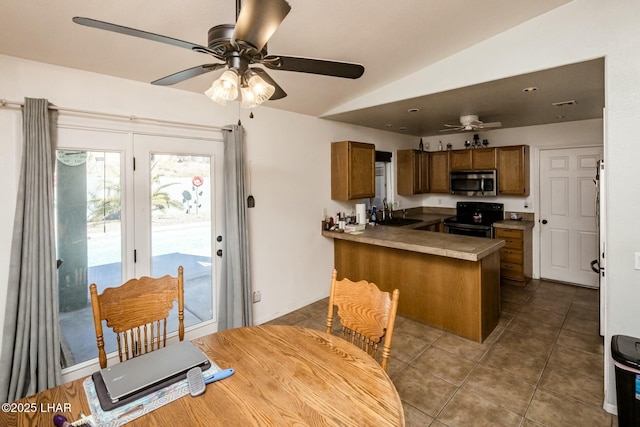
515 255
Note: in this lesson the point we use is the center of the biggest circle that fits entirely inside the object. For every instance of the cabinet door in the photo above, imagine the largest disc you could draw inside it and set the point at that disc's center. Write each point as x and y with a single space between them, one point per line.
422 172
352 170
513 170
483 158
460 160
439 172
362 171
412 172
404 172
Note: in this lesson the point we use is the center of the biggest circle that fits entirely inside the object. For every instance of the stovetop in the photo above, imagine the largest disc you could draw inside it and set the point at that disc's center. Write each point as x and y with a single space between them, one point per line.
477 213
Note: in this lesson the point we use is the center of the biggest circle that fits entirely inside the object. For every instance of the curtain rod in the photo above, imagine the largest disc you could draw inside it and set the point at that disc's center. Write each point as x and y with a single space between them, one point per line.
6 103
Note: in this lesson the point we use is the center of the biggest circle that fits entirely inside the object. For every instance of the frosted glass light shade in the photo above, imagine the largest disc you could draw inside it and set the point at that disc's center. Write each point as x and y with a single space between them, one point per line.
224 88
256 92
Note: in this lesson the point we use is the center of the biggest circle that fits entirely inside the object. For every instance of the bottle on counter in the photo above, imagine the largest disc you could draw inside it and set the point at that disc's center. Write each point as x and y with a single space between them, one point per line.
440 146
374 216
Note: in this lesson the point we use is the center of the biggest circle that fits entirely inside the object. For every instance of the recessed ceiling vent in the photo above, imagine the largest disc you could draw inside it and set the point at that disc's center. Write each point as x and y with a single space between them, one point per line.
564 103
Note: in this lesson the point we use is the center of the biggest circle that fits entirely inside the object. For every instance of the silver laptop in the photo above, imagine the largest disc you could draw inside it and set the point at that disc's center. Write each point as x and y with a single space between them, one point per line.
133 375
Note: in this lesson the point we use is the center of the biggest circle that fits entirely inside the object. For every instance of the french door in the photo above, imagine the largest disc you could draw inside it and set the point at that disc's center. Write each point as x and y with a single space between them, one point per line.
132 204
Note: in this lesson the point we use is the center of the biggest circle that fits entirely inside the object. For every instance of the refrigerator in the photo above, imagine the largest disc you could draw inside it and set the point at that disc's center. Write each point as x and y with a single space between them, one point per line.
598 265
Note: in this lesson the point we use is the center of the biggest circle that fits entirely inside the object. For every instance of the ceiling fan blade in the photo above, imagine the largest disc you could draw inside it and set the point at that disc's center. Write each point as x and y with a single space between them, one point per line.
492 125
452 128
314 66
258 20
279 93
187 74
101 25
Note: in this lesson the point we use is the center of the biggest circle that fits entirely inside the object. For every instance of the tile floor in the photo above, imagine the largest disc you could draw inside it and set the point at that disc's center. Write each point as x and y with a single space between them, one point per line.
541 366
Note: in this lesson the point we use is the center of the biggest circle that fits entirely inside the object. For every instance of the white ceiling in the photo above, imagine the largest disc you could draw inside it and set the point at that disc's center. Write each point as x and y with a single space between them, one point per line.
391 39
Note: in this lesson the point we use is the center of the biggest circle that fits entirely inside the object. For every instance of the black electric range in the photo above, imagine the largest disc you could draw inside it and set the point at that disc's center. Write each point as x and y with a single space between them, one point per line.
475 219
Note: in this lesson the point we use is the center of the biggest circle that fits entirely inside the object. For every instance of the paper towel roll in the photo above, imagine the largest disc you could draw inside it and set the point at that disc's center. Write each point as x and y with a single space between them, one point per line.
361 213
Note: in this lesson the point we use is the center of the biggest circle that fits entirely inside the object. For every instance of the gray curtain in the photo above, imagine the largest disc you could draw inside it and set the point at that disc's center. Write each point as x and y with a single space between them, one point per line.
30 359
235 301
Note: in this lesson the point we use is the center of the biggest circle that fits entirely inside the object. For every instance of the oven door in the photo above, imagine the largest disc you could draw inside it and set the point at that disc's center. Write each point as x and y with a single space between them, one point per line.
469 230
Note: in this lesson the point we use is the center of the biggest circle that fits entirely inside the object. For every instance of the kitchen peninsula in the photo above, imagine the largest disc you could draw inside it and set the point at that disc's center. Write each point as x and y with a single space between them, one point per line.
445 280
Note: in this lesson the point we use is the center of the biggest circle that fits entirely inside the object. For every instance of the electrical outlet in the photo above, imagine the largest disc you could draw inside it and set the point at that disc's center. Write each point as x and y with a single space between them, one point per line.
257 296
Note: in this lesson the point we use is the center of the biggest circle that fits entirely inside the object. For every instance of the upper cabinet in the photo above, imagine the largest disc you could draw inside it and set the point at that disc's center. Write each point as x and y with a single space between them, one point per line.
483 158
473 159
460 160
513 170
428 171
412 172
352 170
439 172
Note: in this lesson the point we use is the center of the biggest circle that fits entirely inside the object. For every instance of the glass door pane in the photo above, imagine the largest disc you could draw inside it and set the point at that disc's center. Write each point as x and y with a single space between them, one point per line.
181 228
88 206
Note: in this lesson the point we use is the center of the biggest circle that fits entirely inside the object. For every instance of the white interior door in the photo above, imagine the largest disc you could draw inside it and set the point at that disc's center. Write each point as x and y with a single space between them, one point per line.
569 234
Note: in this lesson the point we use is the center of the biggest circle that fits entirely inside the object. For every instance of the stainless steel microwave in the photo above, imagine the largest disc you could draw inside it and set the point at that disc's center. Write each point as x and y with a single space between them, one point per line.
474 183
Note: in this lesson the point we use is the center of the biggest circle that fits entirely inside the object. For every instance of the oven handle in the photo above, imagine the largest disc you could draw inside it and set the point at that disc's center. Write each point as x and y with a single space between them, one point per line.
468 227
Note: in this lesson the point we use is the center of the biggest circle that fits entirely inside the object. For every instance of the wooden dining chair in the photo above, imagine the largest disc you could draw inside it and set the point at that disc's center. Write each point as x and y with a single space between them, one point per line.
366 314
137 312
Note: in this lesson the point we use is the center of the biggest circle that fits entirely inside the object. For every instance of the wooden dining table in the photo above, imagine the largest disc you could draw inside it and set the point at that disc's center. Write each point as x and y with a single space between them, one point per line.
284 376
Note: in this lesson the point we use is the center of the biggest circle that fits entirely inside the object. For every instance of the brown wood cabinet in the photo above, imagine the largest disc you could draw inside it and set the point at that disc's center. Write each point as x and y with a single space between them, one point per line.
515 255
483 158
412 170
352 170
439 172
459 296
473 159
460 160
513 170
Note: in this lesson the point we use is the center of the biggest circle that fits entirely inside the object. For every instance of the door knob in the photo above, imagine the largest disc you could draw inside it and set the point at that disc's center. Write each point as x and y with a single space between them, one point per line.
219 252
544 221
219 239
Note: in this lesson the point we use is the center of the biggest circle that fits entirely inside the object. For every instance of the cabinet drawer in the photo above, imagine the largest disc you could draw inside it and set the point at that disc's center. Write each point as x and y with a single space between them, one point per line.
512 244
511 255
508 233
511 271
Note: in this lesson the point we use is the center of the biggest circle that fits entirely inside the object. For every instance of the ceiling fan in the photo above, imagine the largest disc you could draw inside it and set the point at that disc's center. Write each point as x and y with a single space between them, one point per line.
470 122
238 47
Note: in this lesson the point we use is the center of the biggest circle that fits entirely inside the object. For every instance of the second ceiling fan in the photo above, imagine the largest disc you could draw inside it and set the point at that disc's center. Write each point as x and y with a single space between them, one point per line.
470 122
238 47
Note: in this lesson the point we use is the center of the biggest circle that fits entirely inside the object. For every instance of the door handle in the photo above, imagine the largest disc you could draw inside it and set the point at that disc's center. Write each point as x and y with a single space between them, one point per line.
219 252
544 221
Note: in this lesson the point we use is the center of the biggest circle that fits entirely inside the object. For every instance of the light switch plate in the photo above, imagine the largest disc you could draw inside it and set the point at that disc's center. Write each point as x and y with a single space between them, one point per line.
637 261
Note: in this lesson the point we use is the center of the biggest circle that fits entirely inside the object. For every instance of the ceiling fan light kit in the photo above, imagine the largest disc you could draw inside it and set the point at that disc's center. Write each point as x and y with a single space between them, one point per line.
240 46
253 89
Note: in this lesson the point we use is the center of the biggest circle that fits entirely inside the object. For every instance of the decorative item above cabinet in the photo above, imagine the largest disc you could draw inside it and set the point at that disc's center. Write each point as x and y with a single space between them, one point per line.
352 170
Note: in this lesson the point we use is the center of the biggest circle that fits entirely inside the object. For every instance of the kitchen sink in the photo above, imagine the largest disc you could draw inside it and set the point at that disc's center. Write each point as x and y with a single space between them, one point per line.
399 222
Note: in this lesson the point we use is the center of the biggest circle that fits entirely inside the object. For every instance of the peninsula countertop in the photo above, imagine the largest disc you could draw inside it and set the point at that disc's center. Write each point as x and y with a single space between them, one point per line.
426 242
